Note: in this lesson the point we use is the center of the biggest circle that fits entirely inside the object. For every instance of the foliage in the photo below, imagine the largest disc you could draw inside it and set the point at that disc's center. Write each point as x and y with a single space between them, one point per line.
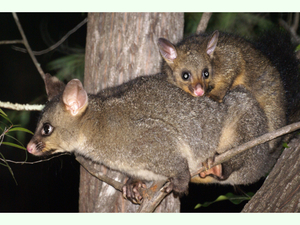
68 67
6 132
244 24
235 199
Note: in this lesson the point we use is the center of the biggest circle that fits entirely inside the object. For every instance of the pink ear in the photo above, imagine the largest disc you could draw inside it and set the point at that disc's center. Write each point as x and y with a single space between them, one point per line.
212 44
75 97
167 50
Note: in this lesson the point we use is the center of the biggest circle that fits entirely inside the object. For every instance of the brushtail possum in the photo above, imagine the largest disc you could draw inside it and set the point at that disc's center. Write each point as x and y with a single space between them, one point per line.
149 129
213 64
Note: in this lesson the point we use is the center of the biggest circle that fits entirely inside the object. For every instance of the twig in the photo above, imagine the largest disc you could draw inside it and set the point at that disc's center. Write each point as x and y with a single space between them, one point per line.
35 162
250 144
152 196
87 164
20 107
295 23
11 42
150 203
203 22
294 35
4 132
57 43
38 66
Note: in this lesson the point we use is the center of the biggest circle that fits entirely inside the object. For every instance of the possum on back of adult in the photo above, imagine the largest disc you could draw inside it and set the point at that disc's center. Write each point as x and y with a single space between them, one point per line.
213 64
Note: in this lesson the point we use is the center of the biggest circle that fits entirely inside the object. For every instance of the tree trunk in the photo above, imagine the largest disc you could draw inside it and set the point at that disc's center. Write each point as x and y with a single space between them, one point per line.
281 190
122 46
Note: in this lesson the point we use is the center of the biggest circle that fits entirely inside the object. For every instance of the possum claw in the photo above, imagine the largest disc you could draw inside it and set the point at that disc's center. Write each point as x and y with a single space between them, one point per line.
131 190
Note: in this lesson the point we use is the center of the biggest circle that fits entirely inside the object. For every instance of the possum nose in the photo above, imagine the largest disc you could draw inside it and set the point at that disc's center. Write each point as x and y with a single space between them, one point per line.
30 147
198 91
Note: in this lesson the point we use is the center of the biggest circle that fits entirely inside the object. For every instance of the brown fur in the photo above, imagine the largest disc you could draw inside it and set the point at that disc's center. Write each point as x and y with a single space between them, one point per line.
151 130
231 61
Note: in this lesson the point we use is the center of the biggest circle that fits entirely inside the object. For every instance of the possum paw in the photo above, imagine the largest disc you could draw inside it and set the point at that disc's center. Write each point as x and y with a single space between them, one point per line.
131 190
215 171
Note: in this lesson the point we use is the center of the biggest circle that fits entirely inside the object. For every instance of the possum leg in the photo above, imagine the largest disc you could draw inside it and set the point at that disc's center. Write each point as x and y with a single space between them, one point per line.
131 190
179 184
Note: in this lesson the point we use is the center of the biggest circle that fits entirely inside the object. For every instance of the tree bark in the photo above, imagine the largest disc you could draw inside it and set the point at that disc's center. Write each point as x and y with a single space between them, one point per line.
122 46
281 190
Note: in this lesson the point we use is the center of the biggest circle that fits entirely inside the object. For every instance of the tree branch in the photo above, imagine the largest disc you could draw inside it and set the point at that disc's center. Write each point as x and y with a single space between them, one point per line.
20 107
11 42
203 22
219 159
57 43
295 23
291 30
88 165
37 65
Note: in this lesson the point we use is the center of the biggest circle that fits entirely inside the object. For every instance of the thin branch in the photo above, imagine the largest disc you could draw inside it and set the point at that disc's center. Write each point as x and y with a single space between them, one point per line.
87 164
203 22
219 159
294 35
34 162
11 42
57 43
295 23
152 196
38 66
21 107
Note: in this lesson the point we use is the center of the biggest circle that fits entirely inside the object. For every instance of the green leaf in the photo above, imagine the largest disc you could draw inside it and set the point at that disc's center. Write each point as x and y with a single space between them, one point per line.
6 118
285 145
1 111
20 129
235 199
297 48
14 145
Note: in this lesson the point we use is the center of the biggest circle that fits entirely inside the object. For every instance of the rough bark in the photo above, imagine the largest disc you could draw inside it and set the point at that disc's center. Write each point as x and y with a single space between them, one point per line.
122 46
281 190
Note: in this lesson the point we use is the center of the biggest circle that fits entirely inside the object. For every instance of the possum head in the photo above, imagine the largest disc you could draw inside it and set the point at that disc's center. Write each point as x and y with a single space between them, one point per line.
189 64
58 124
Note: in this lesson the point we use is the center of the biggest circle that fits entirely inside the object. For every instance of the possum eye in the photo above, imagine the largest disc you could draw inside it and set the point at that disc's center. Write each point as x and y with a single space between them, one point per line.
205 73
47 129
185 75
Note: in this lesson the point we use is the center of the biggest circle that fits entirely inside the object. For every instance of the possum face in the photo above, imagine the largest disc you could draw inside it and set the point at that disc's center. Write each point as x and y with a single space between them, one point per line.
54 132
190 72
189 65
57 129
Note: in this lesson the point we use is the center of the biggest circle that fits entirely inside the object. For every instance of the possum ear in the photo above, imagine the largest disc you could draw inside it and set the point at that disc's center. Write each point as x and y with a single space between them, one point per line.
53 86
212 44
167 50
75 97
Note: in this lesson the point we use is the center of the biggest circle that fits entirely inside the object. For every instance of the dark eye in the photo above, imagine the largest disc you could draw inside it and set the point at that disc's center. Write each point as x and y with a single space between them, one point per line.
185 75
47 129
205 73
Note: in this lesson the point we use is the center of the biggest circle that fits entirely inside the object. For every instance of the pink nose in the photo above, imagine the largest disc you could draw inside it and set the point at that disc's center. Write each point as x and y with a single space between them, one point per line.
31 147
198 91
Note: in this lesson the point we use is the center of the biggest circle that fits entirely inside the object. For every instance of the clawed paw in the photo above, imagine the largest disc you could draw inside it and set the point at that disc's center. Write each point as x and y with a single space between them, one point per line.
131 190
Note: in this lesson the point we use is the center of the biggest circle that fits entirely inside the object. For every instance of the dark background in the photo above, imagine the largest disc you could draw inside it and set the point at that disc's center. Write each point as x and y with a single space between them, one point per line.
52 186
